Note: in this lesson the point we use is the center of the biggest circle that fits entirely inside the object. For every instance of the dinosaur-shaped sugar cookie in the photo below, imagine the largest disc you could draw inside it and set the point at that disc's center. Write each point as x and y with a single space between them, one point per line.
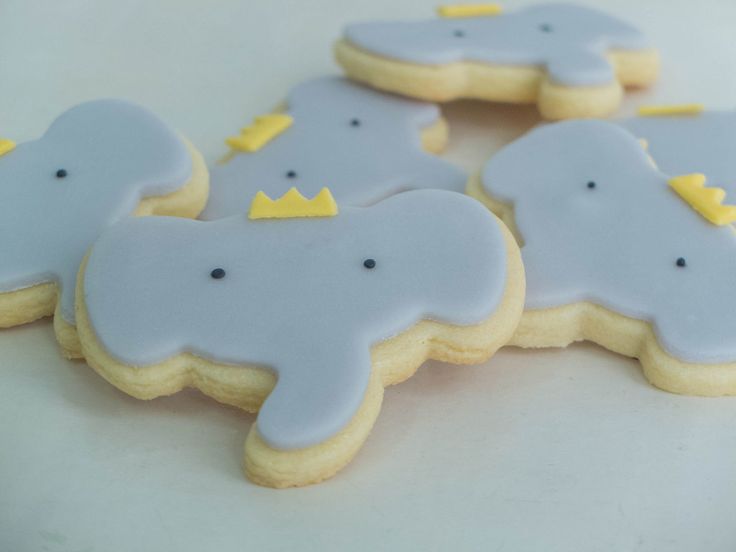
570 60
364 145
698 141
314 313
618 253
98 163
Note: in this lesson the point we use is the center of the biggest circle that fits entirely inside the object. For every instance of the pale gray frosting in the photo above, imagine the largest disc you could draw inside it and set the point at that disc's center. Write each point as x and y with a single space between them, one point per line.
114 153
296 296
361 164
617 244
684 144
570 41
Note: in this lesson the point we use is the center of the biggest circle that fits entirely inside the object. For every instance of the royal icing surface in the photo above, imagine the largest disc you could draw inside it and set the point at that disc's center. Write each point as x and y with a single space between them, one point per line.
363 145
90 169
306 297
703 143
601 224
570 41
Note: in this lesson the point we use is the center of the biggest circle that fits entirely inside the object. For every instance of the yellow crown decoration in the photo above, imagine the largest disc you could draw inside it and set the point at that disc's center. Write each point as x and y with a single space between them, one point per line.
6 146
469 10
706 201
264 129
666 110
293 205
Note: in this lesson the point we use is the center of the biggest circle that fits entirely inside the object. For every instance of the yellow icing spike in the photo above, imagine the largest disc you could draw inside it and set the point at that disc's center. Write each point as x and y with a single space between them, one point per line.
706 201
664 110
469 10
264 129
6 146
293 205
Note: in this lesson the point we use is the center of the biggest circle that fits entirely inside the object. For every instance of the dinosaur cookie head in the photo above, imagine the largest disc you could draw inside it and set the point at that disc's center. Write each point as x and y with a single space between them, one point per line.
91 168
570 41
584 155
601 224
306 297
99 149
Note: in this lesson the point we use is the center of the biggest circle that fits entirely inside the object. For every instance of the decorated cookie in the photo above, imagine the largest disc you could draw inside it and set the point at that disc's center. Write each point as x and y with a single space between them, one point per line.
685 139
98 163
364 145
570 60
618 253
306 305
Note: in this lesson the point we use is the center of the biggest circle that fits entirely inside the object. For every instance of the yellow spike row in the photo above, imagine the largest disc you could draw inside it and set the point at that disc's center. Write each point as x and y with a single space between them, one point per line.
665 110
293 205
706 201
6 146
264 129
469 10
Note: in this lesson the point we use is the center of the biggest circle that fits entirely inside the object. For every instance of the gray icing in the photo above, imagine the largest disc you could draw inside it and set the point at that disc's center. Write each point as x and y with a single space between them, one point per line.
684 144
570 41
616 244
296 296
114 153
360 163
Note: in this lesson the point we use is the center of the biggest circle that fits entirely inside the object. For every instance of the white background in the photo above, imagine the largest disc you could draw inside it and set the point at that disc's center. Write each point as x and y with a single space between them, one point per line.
551 450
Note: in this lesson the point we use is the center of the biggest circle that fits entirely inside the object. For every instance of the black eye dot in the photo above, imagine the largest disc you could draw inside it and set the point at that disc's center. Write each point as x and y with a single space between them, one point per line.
61 173
218 273
681 262
369 263
355 122
291 174
591 184
545 28
459 33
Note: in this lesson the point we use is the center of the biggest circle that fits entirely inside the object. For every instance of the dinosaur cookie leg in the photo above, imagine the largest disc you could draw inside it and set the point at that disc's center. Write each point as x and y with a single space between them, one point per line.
296 320
102 161
394 361
560 326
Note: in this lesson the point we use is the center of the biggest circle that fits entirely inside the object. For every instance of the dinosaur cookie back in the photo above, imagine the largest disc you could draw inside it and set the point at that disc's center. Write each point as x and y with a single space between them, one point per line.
689 142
